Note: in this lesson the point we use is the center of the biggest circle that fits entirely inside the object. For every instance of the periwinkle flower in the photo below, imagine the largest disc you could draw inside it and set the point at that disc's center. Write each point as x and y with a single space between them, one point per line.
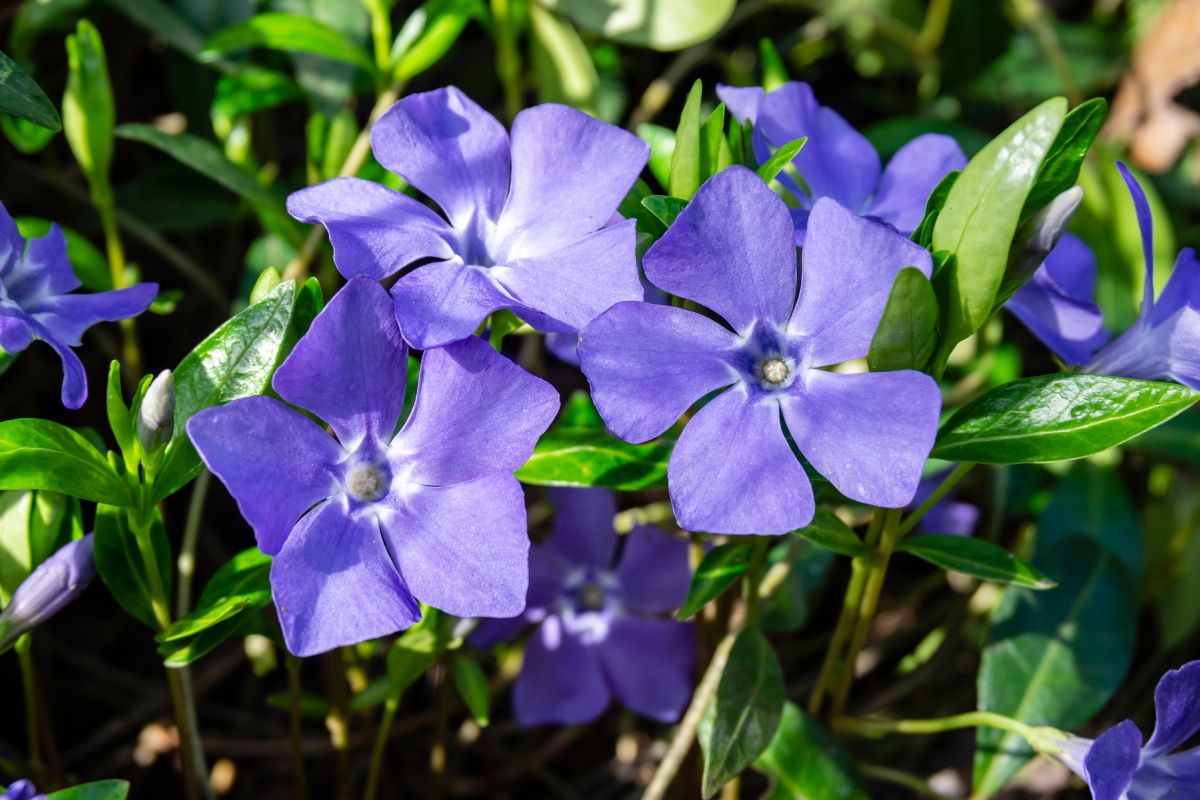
1119 766
732 249
22 790
530 224
51 586
838 162
38 301
947 516
602 628
364 526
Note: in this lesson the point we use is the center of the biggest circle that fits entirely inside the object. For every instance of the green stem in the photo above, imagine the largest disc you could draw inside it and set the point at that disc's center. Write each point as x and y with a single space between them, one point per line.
296 725
381 739
24 648
381 35
753 580
508 58
972 719
941 491
186 563
116 264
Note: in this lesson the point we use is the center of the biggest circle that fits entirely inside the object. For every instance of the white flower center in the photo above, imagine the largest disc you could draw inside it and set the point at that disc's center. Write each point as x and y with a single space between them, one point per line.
366 482
776 372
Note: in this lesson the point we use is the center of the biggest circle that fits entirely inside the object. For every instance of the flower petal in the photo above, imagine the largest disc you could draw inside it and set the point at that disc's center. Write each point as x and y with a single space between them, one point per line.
43 271
647 364
1056 304
1141 208
492 632
374 231
276 462
1167 350
569 287
12 244
849 264
733 471
445 301
16 331
583 533
1176 709
463 549
1112 761
731 249
570 171
1182 289
334 583
476 413
836 161
349 368
560 681
448 147
654 571
744 102
868 433
648 663
1165 776
911 176
67 316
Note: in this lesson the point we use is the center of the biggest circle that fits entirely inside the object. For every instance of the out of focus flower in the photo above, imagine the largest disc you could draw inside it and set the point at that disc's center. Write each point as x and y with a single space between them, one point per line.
946 516
530 225
838 162
38 301
52 585
364 526
733 470
1119 766
601 627
22 790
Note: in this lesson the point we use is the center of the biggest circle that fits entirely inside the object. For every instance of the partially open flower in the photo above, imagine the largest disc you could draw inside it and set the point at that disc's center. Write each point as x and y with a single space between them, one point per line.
52 585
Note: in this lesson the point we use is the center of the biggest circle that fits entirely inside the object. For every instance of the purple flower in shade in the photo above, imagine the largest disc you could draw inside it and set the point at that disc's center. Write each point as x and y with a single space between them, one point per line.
1118 766
733 250
601 630
530 225
37 301
364 526
947 516
51 586
838 162
22 790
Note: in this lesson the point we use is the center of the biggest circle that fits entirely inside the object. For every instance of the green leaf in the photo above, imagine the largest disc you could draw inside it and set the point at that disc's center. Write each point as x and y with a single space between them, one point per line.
241 586
788 606
120 564
163 21
39 454
207 159
718 570
907 334
1057 417
120 421
780 159
806 763
1060 168
662 150
573 457
579 412
981 214
429 33
22 97
182 652
1054 657
472 687
88 112
500 324
923 235
97 790
664 207
715 154
236 360
32 526
291 32
661 25
978 558
563 66
685 159
744 714
828 531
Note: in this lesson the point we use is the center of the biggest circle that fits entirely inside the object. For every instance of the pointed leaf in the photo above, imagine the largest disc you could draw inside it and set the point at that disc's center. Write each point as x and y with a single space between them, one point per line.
975 557
291 32
1060 168
907 334
718 570
574 457
39 454
120 563
828 531
22 97
780 159
806 763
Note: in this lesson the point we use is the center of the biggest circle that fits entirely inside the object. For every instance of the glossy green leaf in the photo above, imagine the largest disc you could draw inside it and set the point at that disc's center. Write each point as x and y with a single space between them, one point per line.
907 334
579 412
923 235
241 586
744 714
981 214
806 763
182 652
662 150
22 97
978 558
572 457
664 207
718 570
32 526
715 154
97 790
120 421
472 686
252 89
88 111
120 563
236 360
429 33
561 61
828 531
780 159
1060 168
661 25
39 454
1057 417
291 32
685 159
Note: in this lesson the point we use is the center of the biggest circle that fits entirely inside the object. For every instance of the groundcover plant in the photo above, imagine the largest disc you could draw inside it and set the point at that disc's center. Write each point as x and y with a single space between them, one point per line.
627 399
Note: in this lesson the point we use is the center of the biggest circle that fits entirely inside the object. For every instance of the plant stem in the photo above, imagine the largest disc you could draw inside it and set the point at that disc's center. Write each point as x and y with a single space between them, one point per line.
508 58
941 491
186 563
381 738
296 727
972 719
116 264
753 580
24 648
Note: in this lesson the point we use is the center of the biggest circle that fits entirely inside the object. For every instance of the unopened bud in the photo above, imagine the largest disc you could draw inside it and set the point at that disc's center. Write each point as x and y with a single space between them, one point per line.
156 415
53 584
1035 239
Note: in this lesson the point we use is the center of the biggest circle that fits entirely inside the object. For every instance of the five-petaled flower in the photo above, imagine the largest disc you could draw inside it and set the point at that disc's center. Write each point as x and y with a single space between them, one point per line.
1118 766
601 628
38 301
364 526
51 586
530 225
732 249
838 162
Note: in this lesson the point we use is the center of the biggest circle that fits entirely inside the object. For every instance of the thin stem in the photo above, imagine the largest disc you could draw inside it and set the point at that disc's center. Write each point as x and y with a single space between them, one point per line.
116 264
508 58
941 491
24 648
876 726
381 739
338 720
296 727
186 563
901 778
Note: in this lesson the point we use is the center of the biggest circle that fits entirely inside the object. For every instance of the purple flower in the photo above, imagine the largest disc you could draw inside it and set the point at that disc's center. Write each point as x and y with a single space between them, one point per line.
529 226
1118 766
946 516
37 302
733 250
601 630
364 526
838 162
22 790
51 586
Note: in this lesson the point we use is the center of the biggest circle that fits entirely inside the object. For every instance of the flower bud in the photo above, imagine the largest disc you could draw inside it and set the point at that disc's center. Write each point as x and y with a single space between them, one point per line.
53 584
1035 239
21 790
156 415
